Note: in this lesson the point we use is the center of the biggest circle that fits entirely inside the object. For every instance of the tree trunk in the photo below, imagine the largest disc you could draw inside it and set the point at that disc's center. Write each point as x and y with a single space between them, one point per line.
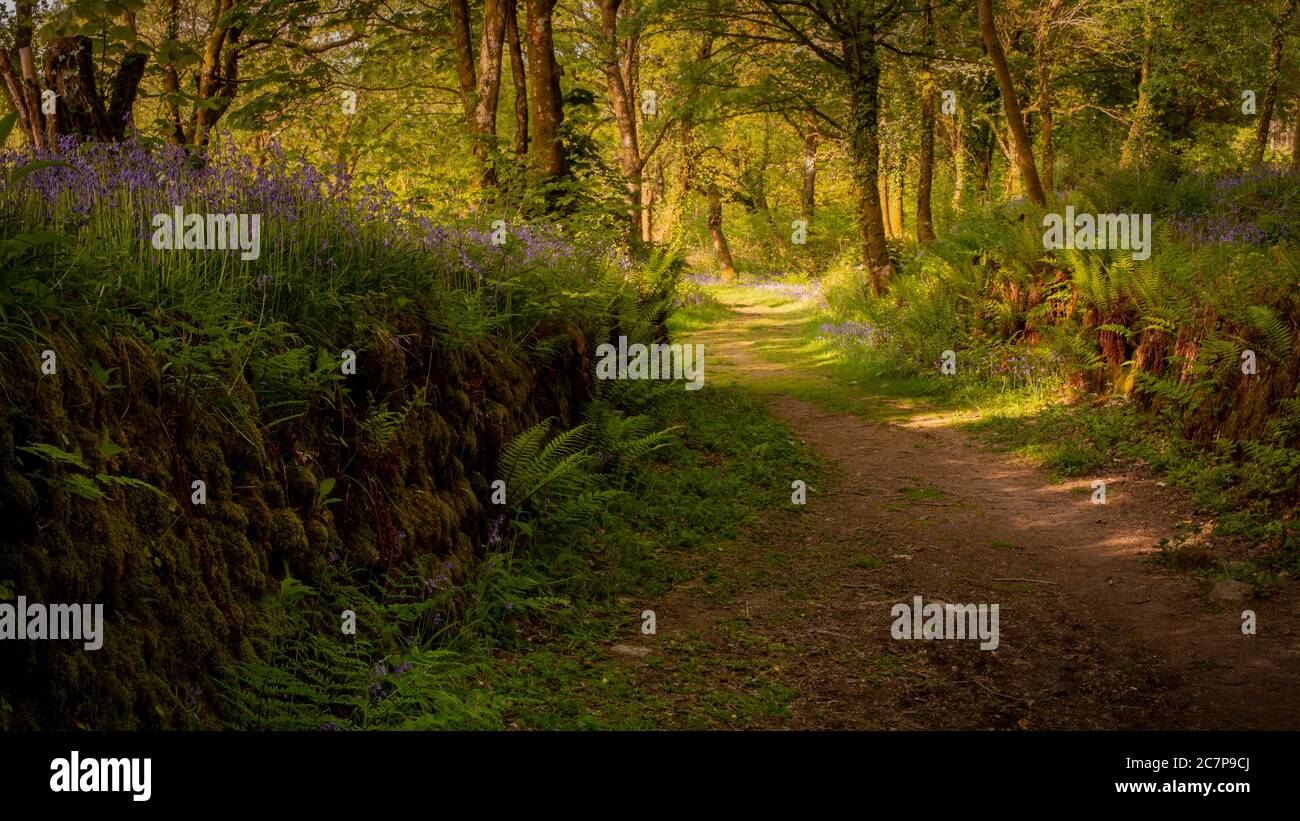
519 77
1295 140
624 108
886 197
1045 115
726 269
1045 131
959 160
1142 112
171 78
547 106
863 68
984 169
925 177
1015 119
69 74
210 71
462 39
1274 76
1011 186
896 188
982 139
22 84
489 88
652 194
808 194
17 98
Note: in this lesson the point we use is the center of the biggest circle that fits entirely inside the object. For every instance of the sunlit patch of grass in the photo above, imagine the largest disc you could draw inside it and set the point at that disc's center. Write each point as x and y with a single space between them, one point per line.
921 494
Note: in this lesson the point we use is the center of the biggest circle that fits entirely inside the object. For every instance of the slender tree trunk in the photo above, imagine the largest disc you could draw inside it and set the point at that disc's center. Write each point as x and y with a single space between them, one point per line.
686 155
17 98
624 108
547 105
1274 76
462 39
171 78
1142 112
1046 139
808 167
925 177
29 84
859 50
960 161
1016 120
984 175
896 202
489 88
1295 140
886 197
652 194
1011 186
1045 114
982 137
519 77
210 71
726 268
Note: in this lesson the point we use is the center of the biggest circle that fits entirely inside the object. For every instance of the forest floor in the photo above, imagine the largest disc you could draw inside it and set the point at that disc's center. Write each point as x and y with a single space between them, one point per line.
788 626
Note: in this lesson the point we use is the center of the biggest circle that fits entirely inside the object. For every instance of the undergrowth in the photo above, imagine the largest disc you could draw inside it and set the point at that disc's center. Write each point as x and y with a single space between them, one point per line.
627 501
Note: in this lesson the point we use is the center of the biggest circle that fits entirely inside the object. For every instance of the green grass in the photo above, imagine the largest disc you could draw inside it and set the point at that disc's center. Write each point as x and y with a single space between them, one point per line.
921 494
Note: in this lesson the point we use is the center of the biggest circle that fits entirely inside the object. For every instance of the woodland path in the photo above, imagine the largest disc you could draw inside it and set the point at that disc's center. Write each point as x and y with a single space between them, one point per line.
1093 635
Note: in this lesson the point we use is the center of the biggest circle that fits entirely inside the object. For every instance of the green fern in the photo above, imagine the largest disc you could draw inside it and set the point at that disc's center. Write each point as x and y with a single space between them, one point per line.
535 461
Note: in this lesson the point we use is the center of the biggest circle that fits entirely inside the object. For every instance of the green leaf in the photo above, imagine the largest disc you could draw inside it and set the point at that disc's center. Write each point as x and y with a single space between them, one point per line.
108 448
22 171
55 455
101 375
326 486
7 125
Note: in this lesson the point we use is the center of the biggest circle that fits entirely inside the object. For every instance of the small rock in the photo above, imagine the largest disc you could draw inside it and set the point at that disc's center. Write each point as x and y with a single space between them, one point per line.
1232 591
630 650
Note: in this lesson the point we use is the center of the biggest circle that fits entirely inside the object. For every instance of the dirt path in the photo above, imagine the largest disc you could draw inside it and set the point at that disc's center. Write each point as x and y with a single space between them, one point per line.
1092 634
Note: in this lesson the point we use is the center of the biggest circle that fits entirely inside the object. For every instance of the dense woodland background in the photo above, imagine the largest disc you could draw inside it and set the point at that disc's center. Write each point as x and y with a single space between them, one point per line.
889 160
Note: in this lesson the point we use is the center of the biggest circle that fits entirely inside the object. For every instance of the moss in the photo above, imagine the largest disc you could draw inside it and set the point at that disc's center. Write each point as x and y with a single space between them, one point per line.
18 500
289 538
274 494
184 596
300 485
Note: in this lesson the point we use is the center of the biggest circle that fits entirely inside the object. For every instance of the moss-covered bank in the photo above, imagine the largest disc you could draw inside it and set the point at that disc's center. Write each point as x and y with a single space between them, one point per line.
410 441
